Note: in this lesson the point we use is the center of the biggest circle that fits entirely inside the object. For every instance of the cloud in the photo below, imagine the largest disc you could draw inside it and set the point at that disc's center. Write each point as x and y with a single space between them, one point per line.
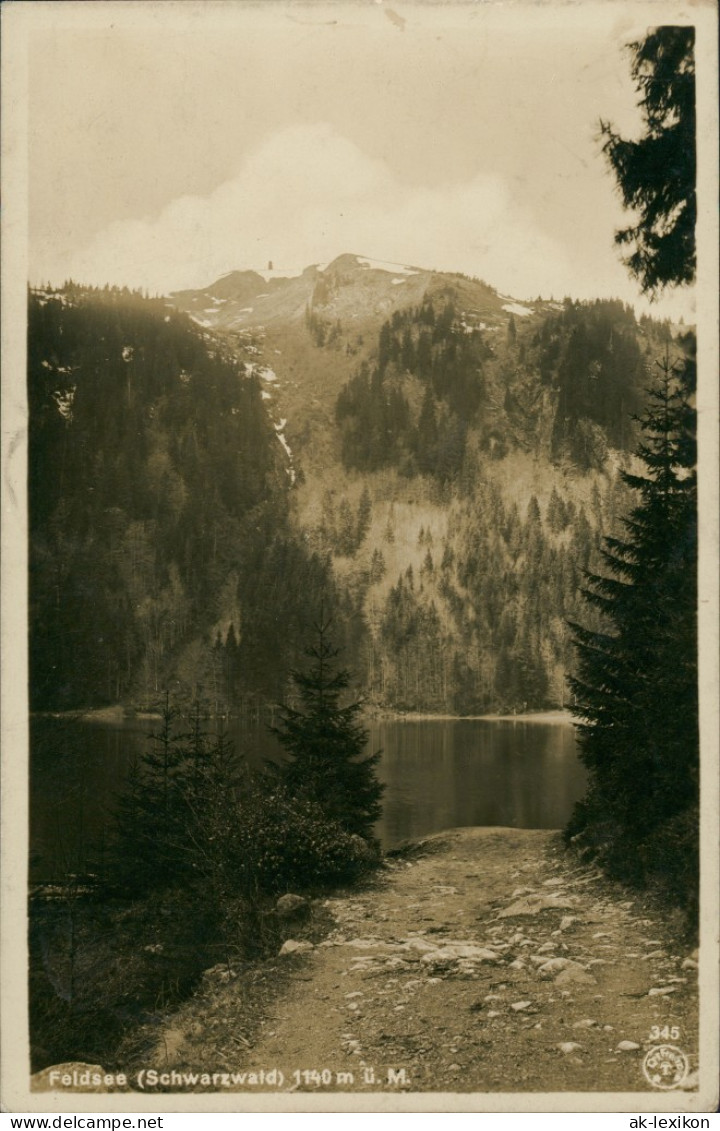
308 194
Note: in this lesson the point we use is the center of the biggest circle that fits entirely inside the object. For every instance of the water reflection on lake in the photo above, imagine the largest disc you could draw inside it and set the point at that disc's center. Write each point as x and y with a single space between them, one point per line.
442 774
439 773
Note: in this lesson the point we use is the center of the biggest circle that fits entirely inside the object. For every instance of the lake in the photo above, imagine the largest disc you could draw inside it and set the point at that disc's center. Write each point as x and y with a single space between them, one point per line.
439 773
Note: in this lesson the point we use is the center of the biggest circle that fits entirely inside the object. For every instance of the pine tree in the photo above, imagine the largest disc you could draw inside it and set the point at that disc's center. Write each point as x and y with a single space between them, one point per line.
556 512
378 569
364 516
636 685
426 438
346 541
656 174
325 743
151 814
212 818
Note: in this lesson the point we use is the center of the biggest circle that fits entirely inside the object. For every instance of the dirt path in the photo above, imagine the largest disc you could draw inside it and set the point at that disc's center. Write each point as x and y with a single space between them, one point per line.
487 960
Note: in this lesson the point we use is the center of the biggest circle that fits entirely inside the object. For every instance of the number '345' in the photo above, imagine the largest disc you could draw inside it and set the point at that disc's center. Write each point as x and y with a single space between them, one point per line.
667 1033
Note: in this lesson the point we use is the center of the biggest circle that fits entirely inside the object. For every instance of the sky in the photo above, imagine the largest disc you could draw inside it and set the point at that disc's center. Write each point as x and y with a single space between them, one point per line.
169 144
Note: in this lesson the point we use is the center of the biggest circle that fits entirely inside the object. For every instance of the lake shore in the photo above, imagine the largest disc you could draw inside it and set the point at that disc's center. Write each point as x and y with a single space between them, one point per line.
476 960
550 717
438 772
118 714
115 714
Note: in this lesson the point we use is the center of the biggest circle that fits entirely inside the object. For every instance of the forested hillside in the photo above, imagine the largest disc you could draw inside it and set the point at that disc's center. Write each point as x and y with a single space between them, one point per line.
161 552
566 386
481 464
196 493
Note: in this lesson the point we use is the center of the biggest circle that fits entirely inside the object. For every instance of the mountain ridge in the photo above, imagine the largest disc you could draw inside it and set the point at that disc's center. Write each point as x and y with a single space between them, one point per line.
350 285
343 304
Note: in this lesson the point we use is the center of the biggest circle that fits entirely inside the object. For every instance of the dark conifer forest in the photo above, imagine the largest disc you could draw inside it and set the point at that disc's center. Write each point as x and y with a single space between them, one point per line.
160 544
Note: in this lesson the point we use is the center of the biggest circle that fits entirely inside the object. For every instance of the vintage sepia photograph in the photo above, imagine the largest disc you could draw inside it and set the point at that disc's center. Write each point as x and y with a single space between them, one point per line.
360 535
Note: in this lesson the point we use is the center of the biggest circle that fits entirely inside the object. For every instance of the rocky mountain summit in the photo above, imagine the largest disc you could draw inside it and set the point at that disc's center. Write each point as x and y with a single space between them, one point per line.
350 286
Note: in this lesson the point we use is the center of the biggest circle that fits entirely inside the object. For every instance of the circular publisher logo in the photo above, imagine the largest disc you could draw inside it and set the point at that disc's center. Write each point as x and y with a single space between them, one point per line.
665 1066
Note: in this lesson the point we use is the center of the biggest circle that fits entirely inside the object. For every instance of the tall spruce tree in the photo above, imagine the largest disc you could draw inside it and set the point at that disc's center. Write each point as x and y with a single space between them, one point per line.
656 173
325 743
636 686
636 683
150 816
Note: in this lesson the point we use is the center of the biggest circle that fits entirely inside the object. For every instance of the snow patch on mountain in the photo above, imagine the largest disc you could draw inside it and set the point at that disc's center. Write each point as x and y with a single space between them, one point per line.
44 297
385 265
288 450
516 308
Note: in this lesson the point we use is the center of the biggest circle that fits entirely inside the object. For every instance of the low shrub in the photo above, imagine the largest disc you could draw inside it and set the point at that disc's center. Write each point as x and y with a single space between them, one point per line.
287 843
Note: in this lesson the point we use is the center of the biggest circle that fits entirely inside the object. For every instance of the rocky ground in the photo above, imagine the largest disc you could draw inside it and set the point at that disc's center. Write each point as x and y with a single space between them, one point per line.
482 960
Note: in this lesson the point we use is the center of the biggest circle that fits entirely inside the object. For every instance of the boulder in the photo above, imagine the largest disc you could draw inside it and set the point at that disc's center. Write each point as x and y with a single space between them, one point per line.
540 959
292 906
574 974
555 965
455 951
533 904
294 946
